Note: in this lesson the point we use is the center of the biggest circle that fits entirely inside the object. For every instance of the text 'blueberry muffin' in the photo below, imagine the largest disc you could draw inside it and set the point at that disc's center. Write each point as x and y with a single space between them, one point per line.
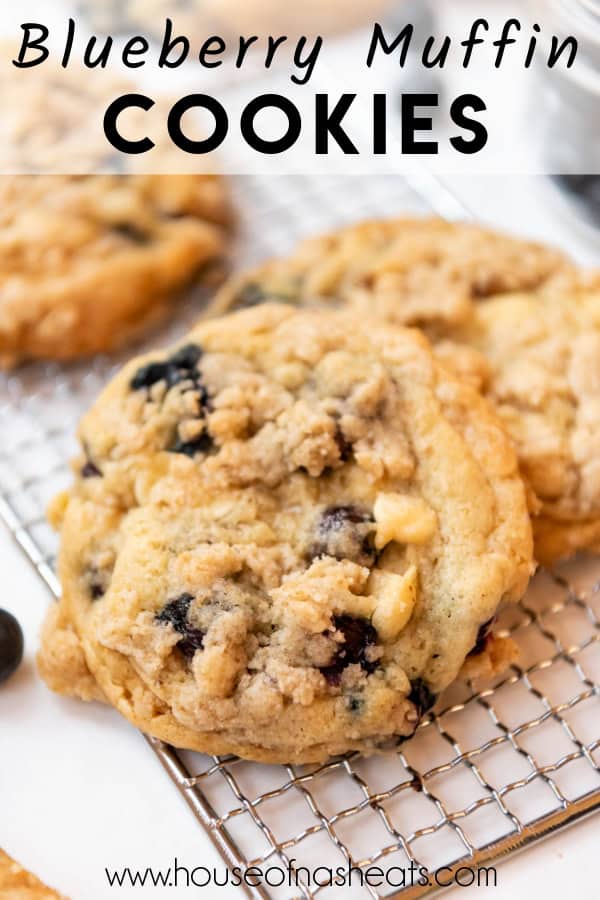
287 534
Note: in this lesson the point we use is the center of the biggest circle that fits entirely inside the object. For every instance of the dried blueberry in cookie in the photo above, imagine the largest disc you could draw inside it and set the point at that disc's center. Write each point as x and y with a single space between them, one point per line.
345 532
202 444
517 319
130 232
97 588
176 385
253 294
186 358
344 445
176 613
181 366
267 590
356 637
148 375
89 470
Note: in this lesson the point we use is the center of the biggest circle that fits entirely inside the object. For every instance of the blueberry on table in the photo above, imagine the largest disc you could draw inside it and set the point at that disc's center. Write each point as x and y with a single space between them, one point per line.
11 645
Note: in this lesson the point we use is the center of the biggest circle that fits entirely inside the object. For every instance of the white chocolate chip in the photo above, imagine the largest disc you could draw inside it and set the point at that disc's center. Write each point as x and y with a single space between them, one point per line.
407 520
395 597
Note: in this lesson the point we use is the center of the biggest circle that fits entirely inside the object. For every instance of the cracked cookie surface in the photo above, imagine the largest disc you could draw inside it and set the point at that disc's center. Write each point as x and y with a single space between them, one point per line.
286 534
537 358
518 319
88 261
424 272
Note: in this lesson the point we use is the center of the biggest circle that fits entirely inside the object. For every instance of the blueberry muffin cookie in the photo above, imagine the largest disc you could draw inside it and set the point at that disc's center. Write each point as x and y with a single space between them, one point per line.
537 358
286 535
16 883
424 272
517 318
89 260
86 262
61 661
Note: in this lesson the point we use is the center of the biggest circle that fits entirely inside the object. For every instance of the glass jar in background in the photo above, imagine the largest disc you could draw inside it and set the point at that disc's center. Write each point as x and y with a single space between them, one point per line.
567 104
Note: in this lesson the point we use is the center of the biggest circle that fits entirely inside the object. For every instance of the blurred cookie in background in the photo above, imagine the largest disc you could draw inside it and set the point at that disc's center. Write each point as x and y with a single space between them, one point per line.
261 17
537 358
311 17
89 260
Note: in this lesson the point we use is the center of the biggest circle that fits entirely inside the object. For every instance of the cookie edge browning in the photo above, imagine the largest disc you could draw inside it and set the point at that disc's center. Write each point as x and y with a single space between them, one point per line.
60 659
559 540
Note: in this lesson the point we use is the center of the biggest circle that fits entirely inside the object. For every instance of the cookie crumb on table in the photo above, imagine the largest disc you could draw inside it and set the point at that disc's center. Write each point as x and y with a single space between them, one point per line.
16 883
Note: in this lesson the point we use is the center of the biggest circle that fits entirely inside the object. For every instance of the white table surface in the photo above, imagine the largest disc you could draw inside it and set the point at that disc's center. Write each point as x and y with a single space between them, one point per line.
80 789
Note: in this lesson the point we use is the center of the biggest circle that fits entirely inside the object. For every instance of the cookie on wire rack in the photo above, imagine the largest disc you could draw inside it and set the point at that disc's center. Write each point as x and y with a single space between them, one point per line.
424 272
517 318
88 262
286 535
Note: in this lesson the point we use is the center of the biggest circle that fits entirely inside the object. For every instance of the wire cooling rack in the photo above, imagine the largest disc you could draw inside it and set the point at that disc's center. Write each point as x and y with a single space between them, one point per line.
486 774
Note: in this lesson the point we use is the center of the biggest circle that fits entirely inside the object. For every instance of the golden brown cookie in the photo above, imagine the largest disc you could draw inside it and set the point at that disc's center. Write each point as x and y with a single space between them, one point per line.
540 366
86 262
286 535
16 883
89 259
425 272
61 661
516 318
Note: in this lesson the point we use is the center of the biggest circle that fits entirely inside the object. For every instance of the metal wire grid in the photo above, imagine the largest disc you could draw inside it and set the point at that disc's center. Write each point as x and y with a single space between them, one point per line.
486 774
